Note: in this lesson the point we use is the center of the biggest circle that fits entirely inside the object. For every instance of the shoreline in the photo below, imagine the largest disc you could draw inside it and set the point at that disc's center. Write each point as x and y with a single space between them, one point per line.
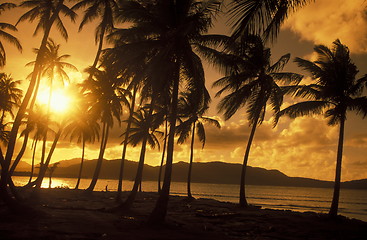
70 214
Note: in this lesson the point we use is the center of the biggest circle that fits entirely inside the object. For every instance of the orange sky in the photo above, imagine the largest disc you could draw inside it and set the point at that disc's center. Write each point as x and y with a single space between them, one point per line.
303 147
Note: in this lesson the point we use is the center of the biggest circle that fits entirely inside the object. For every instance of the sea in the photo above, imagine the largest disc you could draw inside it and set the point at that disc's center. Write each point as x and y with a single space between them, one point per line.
352 204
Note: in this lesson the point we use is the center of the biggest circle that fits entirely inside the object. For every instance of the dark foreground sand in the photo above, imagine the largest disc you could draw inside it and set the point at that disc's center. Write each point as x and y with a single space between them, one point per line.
70 214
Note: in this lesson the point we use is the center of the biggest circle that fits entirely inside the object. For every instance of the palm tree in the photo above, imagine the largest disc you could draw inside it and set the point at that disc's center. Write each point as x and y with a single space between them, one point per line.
126 141
104 9
47 11
253 82
53 68
144 132
192 107
261 17
10 95
84 127
334 92
164 36
105 97
7 36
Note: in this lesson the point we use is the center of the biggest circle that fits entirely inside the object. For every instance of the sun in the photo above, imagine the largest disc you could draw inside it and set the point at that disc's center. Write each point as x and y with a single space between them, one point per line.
60 100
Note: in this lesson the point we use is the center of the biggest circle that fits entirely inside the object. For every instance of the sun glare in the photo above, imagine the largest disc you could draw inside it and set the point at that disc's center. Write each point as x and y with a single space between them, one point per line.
60 100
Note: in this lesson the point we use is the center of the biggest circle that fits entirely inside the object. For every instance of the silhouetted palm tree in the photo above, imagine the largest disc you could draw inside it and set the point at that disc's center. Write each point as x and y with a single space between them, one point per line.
10 95
251 81
47 11
85 128
37 122
53 67
104 9
192 107
126 141
164 35
142 132
105 97
261 17
7 36
335 91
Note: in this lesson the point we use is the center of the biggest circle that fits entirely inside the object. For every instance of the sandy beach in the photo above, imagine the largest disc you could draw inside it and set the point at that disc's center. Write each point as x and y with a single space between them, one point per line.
71 214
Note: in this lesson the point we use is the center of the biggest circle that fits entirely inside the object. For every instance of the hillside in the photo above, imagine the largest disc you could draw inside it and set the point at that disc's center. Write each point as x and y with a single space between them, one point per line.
211 172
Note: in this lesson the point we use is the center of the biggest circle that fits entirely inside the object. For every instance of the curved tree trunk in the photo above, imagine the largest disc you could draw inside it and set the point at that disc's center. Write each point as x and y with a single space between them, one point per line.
338 171
33 156
126 140
163 154
43 170
243 201
4 194
191 160
102 149
26 135
160 210
138 178
81 164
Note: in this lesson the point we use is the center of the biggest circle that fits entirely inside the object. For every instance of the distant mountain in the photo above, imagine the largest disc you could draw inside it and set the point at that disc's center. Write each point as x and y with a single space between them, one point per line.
210 172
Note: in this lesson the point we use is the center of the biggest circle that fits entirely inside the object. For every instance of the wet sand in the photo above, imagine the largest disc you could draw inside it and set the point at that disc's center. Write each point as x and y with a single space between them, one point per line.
71 214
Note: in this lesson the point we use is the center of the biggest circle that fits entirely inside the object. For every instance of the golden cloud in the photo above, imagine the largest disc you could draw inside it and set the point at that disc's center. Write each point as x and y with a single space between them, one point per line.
324 21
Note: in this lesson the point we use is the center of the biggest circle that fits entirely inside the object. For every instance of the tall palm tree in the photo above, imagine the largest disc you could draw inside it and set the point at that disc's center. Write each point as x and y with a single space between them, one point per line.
53 67
126 141
106 98
104 9
143 132
252 81
192 108
167 33
7 36
47 11
334 92
85 128
261 17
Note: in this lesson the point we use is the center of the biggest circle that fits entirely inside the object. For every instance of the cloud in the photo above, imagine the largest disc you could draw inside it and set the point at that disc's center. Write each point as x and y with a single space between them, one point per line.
324 21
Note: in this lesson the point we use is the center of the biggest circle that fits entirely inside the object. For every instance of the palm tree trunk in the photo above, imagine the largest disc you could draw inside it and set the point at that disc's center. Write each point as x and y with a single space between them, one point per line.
4 194
338 171
33 156
163 153
26 135
42 171
138 177
126 140
105 130
81 164
243 201
99 50
191 160
160 210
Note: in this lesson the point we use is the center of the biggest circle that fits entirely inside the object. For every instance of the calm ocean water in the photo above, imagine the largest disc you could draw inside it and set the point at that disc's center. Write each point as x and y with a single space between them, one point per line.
353 203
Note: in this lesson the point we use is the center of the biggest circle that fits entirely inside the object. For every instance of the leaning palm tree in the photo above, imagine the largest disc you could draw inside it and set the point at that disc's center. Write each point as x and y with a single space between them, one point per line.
261 17
334 92
7 36
164 35
126 141
85 128
106 98
104 9
47 11
142 132
53 68
192 108
251 81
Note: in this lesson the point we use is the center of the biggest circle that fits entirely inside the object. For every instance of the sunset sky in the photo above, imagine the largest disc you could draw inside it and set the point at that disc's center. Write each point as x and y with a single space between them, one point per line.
304 147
